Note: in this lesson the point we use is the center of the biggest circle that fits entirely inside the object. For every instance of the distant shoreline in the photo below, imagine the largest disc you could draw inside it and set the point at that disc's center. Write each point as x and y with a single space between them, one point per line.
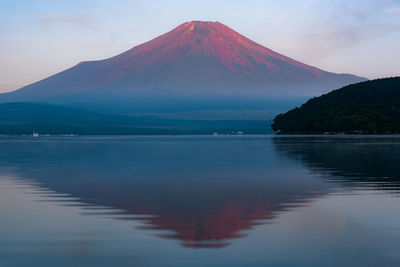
338 134
43 137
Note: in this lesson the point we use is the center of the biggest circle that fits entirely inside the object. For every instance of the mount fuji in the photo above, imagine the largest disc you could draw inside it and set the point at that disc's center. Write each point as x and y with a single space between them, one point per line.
197 66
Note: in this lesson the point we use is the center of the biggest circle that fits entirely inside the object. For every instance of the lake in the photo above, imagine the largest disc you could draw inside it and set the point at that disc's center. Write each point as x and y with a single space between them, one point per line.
200 201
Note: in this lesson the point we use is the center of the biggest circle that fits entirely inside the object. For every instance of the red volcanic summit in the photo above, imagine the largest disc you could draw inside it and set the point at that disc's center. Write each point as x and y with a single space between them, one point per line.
216 41
195 60
213 40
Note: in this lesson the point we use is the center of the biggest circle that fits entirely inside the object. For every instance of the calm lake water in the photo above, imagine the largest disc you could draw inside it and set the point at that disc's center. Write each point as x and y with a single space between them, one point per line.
200 201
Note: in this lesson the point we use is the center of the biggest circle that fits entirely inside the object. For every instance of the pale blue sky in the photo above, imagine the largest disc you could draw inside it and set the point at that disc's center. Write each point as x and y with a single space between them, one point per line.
42 37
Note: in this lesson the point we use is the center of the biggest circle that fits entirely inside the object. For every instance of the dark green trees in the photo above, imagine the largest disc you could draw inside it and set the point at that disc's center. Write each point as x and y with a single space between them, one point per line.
367 107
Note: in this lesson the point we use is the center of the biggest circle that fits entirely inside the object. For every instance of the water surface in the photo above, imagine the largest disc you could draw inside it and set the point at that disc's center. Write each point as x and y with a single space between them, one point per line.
196 201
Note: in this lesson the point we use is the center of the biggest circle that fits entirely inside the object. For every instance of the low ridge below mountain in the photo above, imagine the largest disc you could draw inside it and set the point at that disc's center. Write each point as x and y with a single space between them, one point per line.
20 118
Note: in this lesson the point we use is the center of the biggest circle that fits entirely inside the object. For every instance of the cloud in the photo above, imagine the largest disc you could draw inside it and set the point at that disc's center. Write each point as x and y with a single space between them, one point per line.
349 26
393 10
59 19
322 43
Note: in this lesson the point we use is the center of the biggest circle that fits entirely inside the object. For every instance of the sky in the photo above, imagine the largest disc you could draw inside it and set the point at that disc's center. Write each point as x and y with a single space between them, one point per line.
42 37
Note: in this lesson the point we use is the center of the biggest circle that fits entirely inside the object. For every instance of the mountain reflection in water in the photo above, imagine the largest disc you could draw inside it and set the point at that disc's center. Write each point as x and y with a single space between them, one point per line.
203 191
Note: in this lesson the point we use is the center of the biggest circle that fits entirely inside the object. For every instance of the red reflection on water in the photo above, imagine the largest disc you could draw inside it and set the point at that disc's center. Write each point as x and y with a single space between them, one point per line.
211 230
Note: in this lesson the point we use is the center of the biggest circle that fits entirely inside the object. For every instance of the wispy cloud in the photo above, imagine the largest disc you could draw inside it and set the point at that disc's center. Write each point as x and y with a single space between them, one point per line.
80 21
393 10
347 25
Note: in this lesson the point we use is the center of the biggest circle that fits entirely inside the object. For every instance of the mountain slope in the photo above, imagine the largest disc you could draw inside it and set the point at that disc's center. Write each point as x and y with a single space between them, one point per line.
368 107
193 62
